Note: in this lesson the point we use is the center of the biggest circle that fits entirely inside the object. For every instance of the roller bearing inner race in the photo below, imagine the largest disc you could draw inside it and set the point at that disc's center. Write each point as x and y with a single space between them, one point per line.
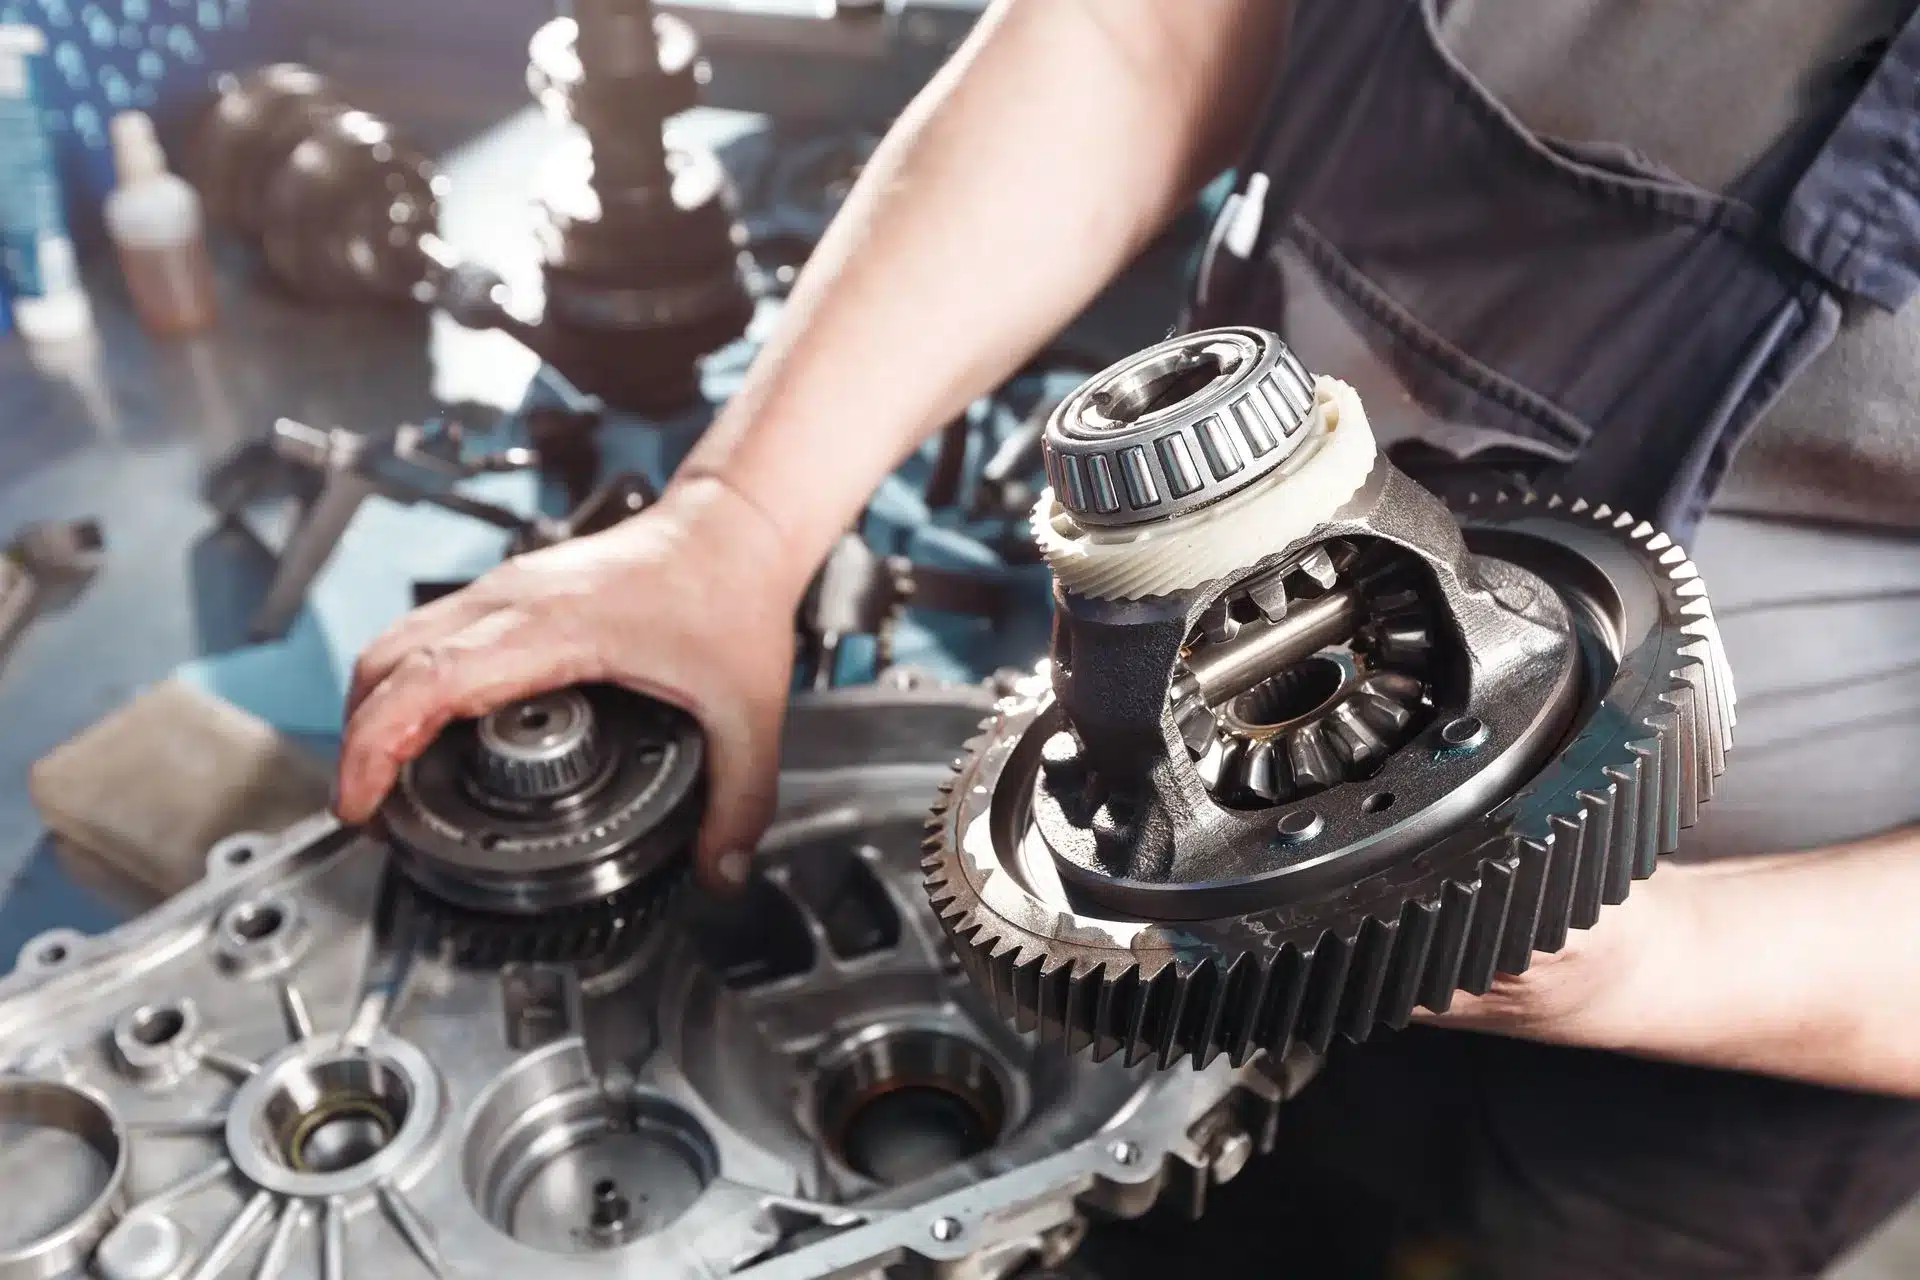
545 748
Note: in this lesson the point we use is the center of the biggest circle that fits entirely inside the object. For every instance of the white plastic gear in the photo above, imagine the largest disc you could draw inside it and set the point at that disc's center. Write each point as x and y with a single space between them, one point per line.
1195 548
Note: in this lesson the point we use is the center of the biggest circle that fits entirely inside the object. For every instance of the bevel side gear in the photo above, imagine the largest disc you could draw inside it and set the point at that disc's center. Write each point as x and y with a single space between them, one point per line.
1579 708
1329 718
552 828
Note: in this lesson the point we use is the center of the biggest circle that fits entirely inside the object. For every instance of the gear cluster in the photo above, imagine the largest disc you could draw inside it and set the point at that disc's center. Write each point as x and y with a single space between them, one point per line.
1382 759
553 828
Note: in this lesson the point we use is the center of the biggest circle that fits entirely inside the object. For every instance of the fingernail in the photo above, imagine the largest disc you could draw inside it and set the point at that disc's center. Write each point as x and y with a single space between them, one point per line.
733 867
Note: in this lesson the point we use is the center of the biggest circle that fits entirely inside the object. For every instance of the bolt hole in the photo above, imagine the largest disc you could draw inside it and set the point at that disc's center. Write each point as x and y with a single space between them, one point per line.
1378 802
240 855
53 953
534 719
946 1229
157 1026
604 1188
335 1114
1466 731
256 922
909 1103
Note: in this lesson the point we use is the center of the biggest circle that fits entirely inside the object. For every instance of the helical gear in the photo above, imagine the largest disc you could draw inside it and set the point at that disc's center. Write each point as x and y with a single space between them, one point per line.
593 935
1650 738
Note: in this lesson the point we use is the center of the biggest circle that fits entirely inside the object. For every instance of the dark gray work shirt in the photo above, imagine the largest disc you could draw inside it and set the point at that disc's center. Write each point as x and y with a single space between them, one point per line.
1703 88
1812 553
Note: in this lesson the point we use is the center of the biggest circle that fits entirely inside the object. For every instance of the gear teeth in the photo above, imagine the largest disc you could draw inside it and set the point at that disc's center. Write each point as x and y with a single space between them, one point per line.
1116 994
1372 961
1527 908
1639 786
1084 992
1491 896
1195 722
1312 763
1208 1035
1216 766
1402 989
1026 994
1354 738
1382 715
1327 976
1453 916
597 933
1285 996
1241 998
1263 773
1190 994
1581 835
1367 719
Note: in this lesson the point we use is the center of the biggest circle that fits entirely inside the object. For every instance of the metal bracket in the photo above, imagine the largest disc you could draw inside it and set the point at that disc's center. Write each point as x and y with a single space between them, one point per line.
861 592
408 463
44 567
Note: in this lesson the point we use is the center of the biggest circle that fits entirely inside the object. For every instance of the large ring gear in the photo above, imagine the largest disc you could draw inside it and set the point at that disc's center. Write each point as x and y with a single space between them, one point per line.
552 829
1315 750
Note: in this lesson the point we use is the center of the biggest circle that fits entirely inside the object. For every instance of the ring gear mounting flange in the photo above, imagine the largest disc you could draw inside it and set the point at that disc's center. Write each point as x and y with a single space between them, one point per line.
552 828
1286 788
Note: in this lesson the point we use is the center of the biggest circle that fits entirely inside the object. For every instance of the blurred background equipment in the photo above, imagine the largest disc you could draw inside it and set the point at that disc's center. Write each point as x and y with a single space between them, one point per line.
156 223
639 252
42 568
37 264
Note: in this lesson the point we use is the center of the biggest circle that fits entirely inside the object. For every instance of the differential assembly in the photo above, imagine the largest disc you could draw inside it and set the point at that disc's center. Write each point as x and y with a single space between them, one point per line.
1316 749
551 828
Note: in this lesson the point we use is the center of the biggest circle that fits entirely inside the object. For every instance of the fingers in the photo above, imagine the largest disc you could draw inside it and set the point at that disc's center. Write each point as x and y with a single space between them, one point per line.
502 656
742 779
425 626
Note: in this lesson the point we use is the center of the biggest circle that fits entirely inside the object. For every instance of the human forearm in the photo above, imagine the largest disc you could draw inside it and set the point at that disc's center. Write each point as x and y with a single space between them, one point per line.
1055 145
1803 965
1798 965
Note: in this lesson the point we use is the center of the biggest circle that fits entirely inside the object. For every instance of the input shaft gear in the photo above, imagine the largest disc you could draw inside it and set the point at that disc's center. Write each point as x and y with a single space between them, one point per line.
552 828
593 935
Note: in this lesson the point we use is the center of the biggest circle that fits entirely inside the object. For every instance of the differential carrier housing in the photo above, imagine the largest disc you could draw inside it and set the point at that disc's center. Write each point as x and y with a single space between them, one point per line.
1312 749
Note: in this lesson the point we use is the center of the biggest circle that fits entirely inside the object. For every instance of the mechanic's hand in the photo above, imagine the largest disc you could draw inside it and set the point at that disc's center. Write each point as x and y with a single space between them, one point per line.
691 602
1603 989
